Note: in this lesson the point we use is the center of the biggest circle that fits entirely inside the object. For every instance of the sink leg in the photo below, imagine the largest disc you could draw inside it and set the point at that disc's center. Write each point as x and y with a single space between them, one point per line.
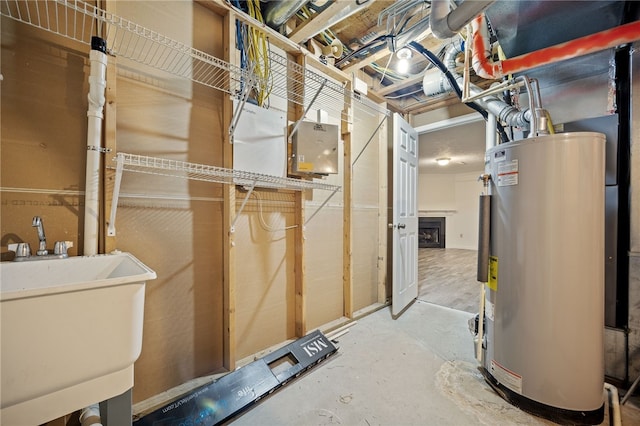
117 411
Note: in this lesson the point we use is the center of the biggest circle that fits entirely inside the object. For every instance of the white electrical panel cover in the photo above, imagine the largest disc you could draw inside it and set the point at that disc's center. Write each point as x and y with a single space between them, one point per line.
315 148
259 142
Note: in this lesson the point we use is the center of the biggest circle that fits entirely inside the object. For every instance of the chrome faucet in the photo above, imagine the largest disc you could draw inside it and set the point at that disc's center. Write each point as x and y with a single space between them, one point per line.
23 251
42 248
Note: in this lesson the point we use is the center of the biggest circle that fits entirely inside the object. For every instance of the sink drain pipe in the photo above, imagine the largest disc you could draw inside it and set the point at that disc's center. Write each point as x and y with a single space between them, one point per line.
96 97
90 416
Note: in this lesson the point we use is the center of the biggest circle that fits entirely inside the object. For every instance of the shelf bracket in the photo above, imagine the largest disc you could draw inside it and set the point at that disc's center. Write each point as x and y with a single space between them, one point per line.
111 226
306 110
244 202
369 141
321 206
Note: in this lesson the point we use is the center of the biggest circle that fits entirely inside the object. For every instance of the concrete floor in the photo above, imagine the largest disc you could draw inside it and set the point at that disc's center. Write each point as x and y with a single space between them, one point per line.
416 370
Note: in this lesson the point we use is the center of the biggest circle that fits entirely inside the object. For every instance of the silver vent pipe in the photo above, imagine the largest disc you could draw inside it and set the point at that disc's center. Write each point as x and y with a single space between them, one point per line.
276 13
503 111
409 35
446 24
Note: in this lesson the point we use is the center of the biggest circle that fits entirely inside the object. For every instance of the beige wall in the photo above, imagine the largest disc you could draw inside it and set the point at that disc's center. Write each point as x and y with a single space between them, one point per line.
454 196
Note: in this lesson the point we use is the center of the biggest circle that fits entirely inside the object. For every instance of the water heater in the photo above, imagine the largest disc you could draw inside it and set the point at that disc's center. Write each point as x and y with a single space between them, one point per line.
544 304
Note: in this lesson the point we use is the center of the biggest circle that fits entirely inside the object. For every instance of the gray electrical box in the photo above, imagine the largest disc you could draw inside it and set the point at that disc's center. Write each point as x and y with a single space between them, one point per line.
315 148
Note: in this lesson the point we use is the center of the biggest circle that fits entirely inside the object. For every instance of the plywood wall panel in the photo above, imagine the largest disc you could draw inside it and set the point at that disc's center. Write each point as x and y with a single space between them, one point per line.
365 258
183 306
366 183
43 130
265 292
173 225
323 238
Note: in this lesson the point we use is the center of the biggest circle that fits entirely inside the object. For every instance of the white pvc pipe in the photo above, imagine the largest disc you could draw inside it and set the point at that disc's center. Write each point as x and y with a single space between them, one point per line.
97 84
491 132
614 404
90 416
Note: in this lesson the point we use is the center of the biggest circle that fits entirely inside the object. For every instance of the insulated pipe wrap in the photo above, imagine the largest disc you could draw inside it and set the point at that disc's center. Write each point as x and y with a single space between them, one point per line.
484 233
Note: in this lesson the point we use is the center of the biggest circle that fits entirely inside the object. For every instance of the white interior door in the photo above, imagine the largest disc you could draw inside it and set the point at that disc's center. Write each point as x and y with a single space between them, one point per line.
405 215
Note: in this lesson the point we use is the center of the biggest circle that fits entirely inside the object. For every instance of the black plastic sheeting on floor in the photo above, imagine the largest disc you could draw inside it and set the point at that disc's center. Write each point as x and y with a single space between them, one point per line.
235 392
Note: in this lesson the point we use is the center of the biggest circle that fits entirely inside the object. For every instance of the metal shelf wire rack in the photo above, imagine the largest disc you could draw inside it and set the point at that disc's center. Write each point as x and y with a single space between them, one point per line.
203 172
194 171
78 20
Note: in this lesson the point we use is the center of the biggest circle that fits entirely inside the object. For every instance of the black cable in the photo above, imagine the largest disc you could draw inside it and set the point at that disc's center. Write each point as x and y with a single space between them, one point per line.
356 52
454 84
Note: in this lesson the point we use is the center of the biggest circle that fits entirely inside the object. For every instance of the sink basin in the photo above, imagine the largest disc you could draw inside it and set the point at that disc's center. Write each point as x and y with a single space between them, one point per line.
71 330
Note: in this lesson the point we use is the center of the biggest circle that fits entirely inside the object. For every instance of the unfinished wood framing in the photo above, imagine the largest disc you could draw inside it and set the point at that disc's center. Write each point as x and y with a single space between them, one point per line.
299 263
229 214
110 143
347 188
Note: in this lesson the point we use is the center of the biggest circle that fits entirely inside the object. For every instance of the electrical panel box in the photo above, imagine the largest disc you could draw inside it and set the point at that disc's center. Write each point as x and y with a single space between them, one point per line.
315 148
260 142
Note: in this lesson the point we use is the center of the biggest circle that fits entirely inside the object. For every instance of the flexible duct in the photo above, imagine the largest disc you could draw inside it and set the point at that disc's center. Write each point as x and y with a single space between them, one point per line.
97 84
452 81
446 24
504 112
579 47
276 13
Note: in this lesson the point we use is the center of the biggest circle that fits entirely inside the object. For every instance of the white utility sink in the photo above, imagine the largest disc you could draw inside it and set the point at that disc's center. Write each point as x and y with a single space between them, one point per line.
71 330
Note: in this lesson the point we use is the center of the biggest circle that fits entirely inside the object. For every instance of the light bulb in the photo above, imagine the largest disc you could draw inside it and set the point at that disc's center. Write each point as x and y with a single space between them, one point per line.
443 161
403 55
402 66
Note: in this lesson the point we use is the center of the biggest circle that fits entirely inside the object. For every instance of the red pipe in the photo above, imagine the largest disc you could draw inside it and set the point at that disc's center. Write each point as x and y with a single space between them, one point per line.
581 46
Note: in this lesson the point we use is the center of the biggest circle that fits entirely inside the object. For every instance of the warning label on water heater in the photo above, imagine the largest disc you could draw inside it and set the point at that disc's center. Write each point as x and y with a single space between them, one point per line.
508 173
507 377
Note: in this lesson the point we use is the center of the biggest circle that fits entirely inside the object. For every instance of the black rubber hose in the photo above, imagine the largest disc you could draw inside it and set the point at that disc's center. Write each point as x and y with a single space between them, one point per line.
454 84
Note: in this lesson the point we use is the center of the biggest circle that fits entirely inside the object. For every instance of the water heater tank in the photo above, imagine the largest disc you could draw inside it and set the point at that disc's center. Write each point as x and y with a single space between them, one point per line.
544 308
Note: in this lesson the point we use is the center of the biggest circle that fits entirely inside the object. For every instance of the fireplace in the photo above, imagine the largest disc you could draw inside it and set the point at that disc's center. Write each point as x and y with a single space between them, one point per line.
431 232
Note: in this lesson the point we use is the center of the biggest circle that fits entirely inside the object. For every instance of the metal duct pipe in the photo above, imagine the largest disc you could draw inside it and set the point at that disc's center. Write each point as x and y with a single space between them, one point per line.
413 33
446 24
276 13
484 229
504 112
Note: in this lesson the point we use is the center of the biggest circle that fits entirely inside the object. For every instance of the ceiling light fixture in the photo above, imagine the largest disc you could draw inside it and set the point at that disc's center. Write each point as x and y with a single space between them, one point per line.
403 55
443 161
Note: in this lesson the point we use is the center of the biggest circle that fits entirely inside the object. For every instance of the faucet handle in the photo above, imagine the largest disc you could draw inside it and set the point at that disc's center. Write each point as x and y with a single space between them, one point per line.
20 249
60 247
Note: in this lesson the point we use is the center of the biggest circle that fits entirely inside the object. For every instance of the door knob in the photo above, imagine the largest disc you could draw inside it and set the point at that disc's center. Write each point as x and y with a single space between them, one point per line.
401 226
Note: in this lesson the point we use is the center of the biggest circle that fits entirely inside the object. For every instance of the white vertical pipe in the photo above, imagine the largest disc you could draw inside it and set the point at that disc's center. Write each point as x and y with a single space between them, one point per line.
614 404
97 84
90 416
491 131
